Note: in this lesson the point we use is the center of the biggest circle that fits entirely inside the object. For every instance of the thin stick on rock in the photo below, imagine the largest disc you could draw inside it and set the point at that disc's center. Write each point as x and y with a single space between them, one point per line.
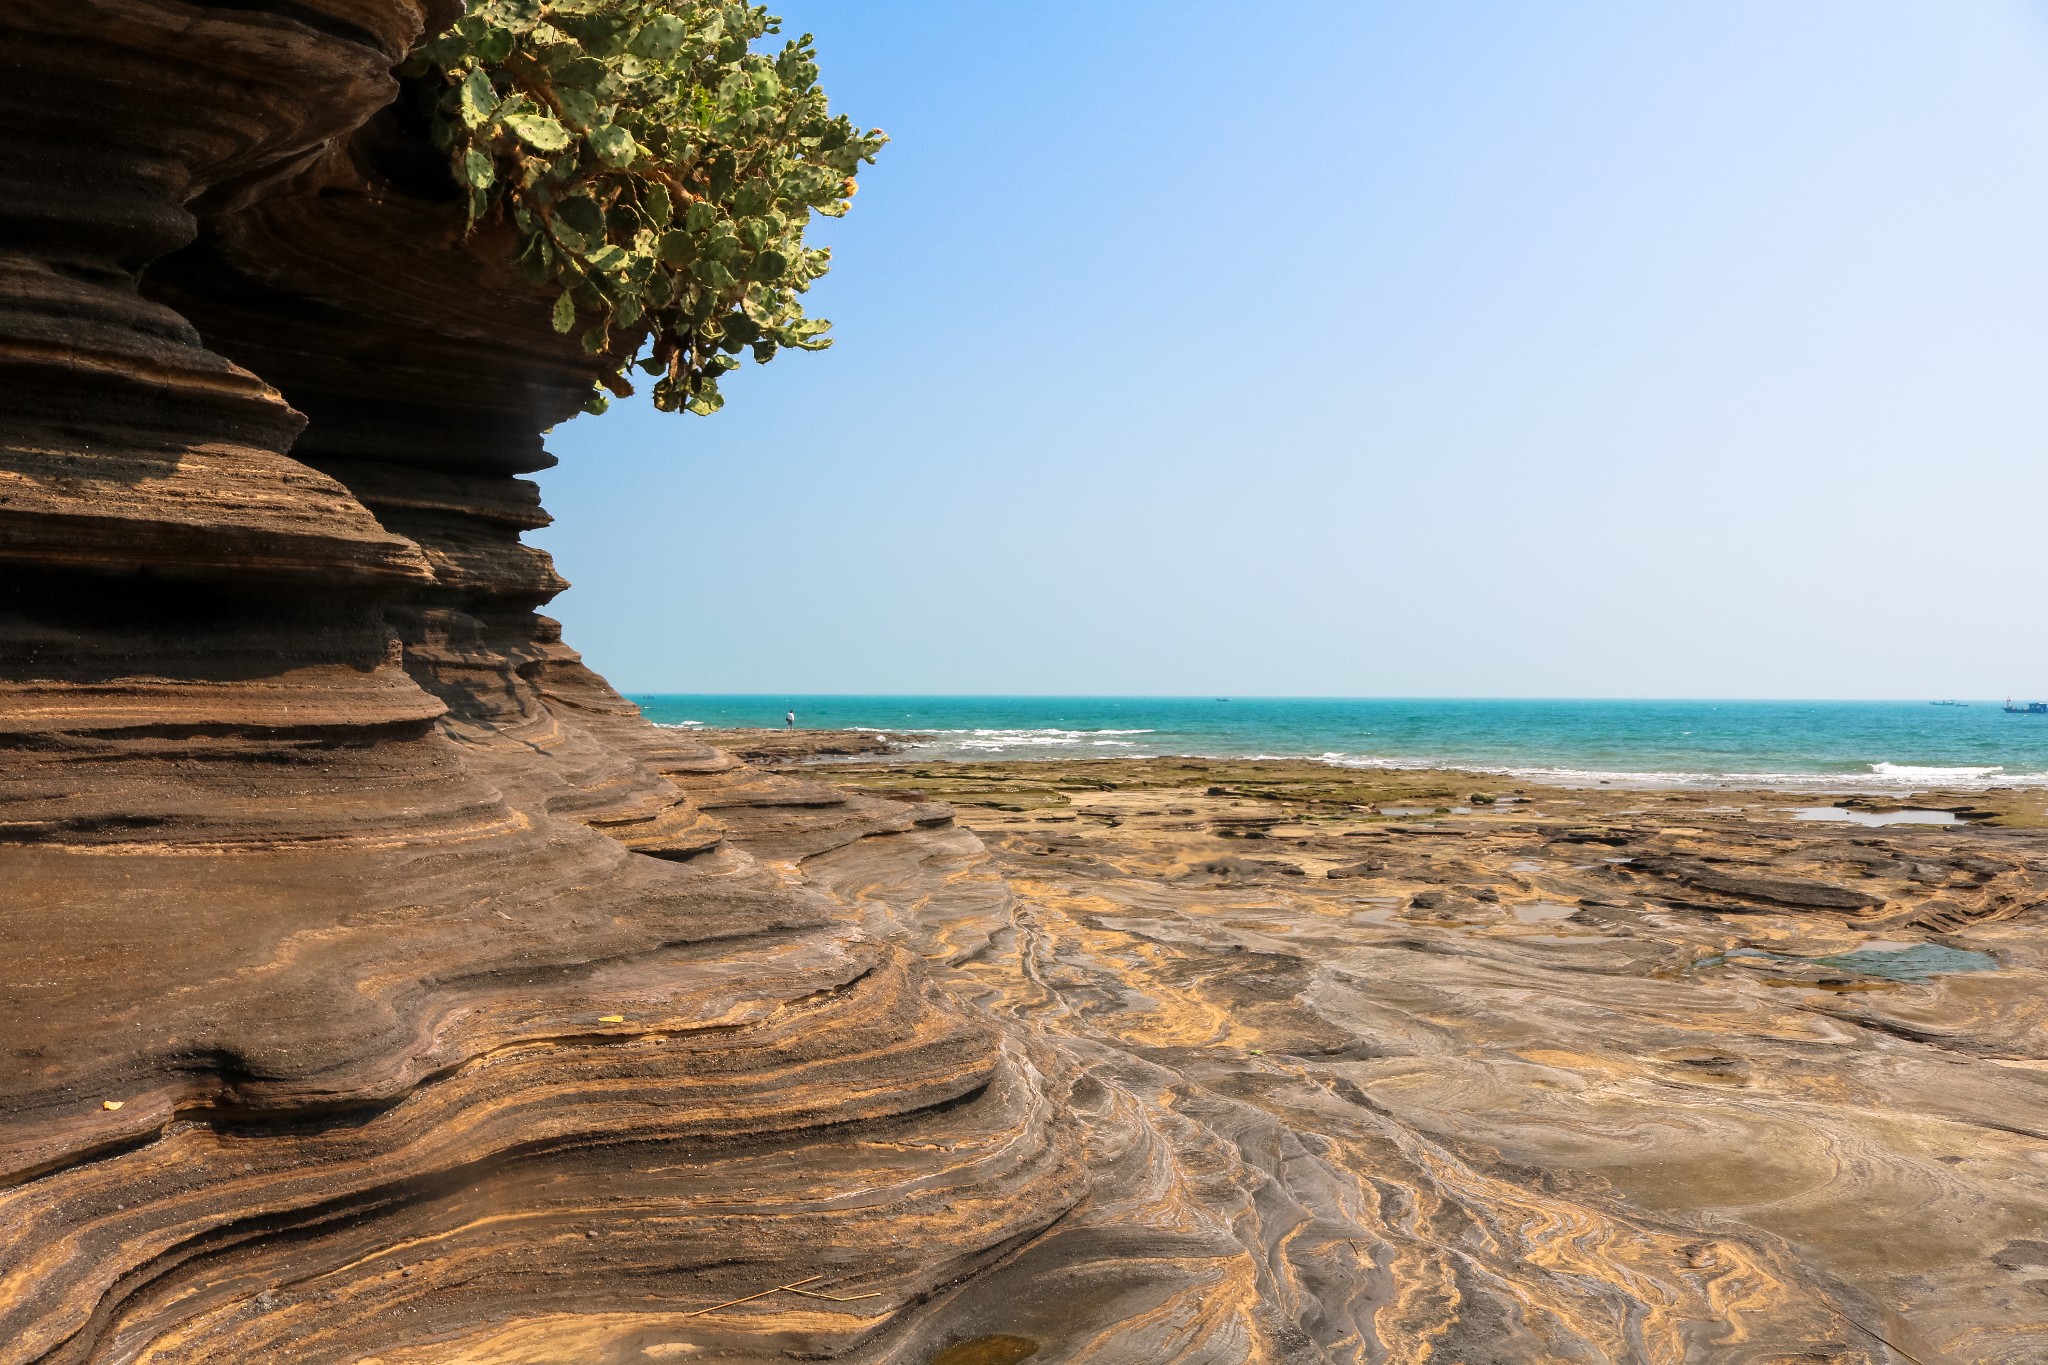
835 1298
698 1312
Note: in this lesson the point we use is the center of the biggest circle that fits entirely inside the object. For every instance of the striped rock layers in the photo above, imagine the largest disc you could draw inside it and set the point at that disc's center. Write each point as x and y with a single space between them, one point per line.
376 986
345 1015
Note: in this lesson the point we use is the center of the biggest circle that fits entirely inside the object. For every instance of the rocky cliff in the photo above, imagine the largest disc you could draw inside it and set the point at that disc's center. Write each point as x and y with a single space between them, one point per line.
346 1014
376 986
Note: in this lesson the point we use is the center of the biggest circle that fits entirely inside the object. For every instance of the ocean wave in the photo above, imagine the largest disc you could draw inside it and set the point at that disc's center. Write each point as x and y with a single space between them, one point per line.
989 740
984 732
1881 776
1905 772
1764 771
1043 732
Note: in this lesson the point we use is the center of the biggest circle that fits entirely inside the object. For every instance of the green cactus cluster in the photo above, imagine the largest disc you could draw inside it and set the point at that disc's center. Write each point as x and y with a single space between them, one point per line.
658 169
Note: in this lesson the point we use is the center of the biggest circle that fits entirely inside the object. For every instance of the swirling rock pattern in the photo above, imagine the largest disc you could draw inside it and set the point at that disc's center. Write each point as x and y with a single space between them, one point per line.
1585 1077
376 986
346 1016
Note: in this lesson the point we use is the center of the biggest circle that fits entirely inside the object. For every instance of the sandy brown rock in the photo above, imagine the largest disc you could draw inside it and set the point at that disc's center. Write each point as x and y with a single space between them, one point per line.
124 441
1520 1085
345 1016
786 747
376 985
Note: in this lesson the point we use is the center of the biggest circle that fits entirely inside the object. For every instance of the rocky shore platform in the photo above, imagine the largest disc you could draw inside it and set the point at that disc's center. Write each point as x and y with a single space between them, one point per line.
379 987
766 748
1420 1066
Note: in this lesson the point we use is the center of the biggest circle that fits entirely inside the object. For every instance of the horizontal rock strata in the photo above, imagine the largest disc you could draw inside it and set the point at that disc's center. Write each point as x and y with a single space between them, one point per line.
347 1015
377 986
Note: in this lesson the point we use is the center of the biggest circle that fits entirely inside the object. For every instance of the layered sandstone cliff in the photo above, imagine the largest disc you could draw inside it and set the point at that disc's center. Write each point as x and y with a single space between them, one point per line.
379 987
346 1014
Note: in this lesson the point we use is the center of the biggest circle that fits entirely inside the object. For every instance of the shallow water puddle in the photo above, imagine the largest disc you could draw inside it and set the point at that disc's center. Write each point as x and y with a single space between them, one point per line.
1543 912
1874 818
1919 962
1380 910
1886 960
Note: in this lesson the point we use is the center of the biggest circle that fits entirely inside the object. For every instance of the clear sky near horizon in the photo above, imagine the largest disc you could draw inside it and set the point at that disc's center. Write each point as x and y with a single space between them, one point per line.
1350 349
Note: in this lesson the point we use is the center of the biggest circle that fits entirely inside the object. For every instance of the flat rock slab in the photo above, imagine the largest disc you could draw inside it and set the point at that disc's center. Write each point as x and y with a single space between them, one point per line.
1582 1068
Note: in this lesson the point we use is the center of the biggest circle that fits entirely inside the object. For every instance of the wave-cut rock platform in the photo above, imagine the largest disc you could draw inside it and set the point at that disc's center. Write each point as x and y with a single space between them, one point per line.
377 987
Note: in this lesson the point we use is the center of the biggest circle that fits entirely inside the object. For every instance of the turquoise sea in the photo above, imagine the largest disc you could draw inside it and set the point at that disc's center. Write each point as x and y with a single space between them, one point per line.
1854 745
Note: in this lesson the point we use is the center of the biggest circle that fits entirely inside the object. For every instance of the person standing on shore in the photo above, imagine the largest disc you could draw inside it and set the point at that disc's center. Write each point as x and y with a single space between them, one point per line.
789 721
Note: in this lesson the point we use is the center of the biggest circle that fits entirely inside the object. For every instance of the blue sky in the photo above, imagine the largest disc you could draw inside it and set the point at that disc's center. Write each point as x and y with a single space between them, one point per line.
1481 349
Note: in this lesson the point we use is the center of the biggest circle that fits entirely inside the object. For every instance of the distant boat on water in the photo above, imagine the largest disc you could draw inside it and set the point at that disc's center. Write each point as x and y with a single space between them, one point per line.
2032 708
1948 703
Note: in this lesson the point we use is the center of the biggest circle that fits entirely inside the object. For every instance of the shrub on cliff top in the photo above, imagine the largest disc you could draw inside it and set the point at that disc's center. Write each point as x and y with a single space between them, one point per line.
659 171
